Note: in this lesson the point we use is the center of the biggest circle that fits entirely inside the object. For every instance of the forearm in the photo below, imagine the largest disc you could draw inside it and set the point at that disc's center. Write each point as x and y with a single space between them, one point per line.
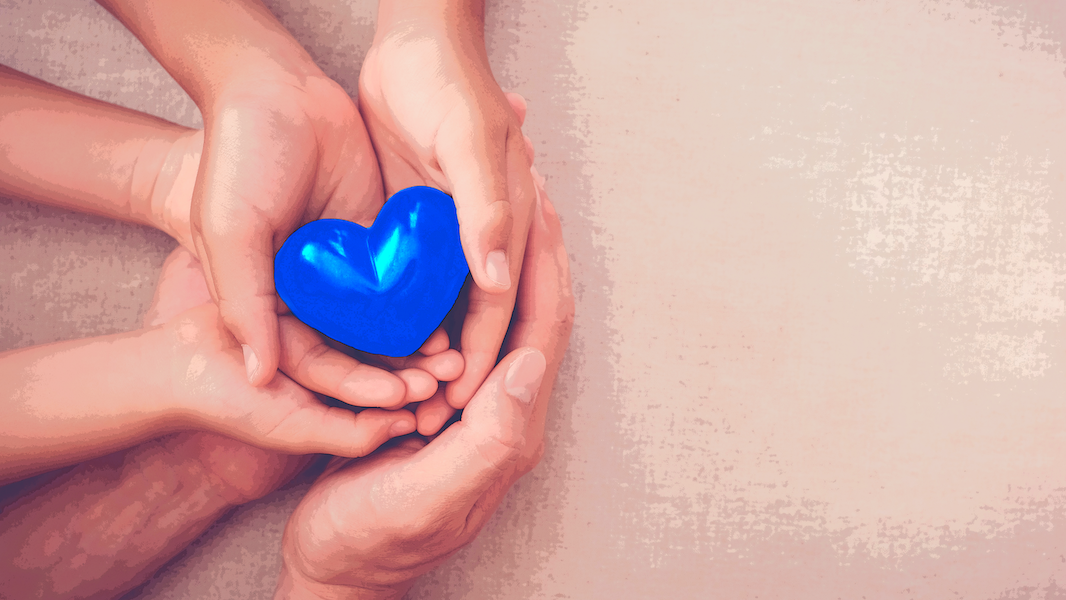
107 525
64 149
66 402
209 46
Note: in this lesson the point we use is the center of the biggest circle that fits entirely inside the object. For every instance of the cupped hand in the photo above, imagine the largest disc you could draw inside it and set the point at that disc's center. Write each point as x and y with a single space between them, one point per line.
438 118
211 391
363 380
368 528
277 152
242 472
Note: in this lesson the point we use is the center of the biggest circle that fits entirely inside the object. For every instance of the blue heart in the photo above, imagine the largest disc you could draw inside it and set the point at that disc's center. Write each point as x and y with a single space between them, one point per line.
382 290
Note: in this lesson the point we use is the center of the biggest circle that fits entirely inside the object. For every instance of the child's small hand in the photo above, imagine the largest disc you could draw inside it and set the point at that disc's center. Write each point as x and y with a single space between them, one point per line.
211 390
437 117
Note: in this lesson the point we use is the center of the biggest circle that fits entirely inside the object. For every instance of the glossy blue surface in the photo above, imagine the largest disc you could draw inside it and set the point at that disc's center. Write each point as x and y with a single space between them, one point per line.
382 290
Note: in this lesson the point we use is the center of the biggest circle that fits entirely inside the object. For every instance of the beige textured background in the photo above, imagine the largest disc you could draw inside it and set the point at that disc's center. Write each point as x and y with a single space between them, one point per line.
818 258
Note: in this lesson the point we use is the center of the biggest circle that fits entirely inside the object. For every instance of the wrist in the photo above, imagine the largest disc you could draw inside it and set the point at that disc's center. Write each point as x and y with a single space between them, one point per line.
152 389
210 47
441 16
164 187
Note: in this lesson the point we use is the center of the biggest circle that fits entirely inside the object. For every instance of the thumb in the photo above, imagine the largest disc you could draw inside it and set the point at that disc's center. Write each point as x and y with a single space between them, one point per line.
241 273
473 157
473 456
254 178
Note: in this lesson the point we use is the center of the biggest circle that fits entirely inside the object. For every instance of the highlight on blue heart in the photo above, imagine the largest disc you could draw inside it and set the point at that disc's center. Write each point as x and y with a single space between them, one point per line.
382 290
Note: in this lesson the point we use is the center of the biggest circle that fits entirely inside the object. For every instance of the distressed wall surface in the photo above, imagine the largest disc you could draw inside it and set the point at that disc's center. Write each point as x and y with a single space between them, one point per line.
818 258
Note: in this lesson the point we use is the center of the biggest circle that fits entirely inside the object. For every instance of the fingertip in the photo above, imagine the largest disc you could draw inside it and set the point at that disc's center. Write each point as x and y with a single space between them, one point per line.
404 424
497 270
518 105
254 325
420 384
436 343
431 415
259 371
486 233
459 392
524 376
446 366
376 388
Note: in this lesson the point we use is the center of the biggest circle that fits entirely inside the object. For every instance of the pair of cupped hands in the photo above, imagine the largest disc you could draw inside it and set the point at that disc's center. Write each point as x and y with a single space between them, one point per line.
276 153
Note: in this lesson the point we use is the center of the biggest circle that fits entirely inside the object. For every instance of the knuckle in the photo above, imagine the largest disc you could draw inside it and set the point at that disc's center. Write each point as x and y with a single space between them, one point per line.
310 356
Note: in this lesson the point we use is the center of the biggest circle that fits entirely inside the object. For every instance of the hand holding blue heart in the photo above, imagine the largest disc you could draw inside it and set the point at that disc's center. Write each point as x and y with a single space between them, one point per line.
437 117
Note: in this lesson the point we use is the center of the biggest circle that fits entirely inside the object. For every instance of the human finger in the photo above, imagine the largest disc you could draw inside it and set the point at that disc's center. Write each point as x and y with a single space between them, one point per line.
490 201
488 314
518 105
311 362
315 428
251 186
436 343
420 384
468 458
544 310
443 366
544 307
432 414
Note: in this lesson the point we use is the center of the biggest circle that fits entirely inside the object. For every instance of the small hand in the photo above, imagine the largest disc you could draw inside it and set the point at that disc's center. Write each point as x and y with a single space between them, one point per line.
438 118
212 392
241 472
368 528
277 153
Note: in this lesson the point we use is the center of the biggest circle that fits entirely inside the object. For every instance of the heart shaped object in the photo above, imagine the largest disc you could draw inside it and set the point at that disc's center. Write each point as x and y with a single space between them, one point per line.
382 290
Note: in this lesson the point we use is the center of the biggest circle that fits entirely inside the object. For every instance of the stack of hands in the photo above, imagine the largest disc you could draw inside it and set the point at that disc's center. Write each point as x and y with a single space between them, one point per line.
219 399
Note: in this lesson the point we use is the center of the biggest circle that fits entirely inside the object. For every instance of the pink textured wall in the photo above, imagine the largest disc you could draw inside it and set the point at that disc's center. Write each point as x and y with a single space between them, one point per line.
818 258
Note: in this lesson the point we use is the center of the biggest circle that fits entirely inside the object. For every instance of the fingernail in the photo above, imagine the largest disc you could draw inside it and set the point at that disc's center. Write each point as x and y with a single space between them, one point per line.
496 268
401 428
251 361
523 378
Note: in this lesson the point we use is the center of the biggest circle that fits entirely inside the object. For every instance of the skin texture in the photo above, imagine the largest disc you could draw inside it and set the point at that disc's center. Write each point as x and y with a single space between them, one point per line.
142 384
283 145
368 528
106 525
437 117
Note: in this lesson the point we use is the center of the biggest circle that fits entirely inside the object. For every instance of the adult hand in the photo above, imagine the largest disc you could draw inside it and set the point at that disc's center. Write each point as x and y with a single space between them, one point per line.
367 529
438 118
